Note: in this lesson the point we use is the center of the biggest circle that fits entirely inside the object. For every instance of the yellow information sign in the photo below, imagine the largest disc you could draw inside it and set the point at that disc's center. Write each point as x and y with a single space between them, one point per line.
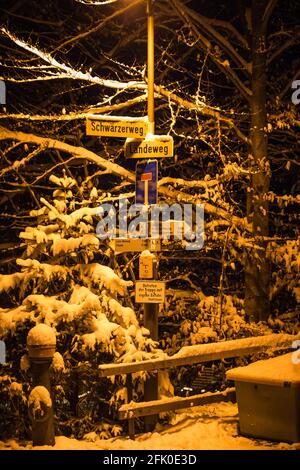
159 146
150 292
113 126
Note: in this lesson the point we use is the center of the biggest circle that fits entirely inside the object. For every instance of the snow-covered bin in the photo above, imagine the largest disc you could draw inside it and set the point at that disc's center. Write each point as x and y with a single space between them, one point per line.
268 397
41 342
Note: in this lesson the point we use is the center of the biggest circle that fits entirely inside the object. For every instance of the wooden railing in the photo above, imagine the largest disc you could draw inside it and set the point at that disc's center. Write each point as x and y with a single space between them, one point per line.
190 355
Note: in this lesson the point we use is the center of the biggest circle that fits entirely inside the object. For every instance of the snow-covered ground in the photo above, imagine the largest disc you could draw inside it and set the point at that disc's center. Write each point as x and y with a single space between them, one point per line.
206 427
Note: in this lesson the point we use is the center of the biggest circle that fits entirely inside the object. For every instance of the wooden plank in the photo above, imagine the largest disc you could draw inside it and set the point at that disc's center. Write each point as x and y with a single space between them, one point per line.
129 385
203 353
136 410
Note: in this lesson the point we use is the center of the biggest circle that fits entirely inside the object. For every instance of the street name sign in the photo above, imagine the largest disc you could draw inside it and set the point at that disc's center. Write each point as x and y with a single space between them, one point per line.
116 126
167 229
146 182
154 146
150 292
134 245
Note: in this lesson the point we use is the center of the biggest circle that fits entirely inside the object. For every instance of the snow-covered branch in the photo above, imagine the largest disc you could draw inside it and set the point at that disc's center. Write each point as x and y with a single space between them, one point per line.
75 115
114 168
68 71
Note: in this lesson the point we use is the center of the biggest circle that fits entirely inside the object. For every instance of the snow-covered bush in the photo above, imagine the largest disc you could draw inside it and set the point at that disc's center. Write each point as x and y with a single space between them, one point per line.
64 281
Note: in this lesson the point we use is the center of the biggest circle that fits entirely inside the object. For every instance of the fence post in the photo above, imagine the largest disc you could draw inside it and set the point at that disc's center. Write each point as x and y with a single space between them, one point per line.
129 385
151 323
41 344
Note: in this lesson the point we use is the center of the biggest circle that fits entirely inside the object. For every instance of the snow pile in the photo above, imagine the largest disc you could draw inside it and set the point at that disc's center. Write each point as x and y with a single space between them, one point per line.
147 254
25 363
208 427
9 318
103 276
39 401
34 268
57 364
286 258
16 388
63 245
101 335
110 327
65 182
81 295
123 315
197 334
274 371
40 335
226 348
52 311
10 281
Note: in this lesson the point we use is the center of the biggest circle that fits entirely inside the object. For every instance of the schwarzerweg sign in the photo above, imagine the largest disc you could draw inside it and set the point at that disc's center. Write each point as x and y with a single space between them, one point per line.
116 126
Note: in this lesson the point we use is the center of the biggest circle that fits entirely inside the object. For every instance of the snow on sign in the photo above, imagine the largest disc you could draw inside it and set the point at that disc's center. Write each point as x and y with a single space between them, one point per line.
116 126
150 292
154 146
146 183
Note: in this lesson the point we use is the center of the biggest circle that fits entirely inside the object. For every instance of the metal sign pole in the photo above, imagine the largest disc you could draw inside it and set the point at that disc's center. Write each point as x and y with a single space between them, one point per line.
151 310
151 323
150 64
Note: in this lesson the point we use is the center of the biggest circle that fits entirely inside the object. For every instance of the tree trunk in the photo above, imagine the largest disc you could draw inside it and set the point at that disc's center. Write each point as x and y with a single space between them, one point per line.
257 267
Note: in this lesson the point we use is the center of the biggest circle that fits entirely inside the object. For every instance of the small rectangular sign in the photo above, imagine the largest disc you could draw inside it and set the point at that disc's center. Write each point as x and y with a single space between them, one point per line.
156 146
134 245
150 292
146 182
146 267
167 229
2 92
110 126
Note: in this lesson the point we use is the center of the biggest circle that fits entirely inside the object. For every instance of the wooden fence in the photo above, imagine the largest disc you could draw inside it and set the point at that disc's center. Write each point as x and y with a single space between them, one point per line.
190 355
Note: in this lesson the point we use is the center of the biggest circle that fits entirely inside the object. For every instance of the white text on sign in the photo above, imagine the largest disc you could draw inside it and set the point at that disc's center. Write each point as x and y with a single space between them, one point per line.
150 292
111 128
160 147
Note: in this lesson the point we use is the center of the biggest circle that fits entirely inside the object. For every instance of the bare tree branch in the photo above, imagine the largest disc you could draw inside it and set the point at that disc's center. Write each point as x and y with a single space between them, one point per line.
82 153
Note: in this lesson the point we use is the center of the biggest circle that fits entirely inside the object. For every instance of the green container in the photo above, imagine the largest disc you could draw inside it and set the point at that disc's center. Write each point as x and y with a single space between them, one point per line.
268 397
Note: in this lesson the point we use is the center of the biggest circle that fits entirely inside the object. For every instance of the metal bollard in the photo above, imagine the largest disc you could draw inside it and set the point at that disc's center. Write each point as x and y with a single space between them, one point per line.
41 342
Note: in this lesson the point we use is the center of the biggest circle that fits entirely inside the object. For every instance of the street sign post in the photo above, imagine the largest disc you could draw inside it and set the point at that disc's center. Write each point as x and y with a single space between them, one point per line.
116 126
141 143
146 183
154 146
